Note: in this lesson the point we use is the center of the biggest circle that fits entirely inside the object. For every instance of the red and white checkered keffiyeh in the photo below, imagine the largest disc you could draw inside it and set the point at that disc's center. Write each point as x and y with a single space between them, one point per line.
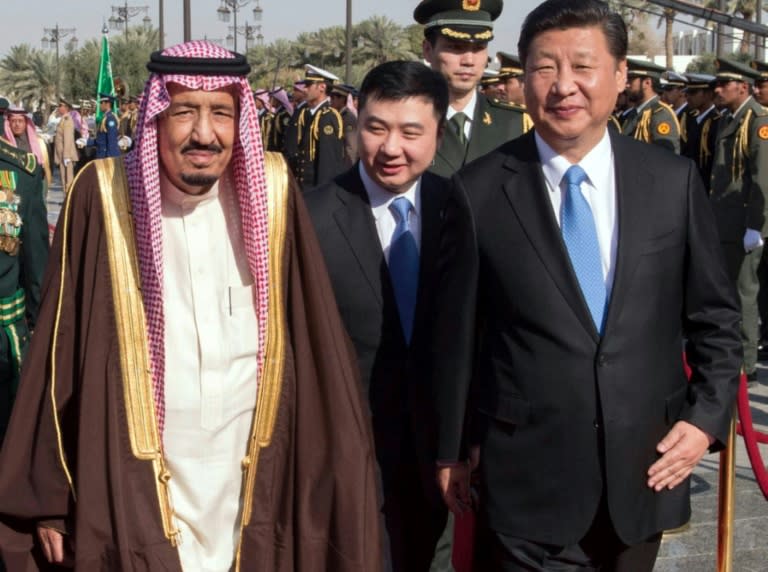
144 184
34 144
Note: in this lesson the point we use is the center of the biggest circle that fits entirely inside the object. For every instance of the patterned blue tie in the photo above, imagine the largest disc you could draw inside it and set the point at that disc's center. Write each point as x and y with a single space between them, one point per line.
404 265
580 237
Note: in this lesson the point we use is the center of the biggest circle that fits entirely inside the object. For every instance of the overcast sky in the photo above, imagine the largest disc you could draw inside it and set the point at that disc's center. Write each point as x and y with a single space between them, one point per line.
24 20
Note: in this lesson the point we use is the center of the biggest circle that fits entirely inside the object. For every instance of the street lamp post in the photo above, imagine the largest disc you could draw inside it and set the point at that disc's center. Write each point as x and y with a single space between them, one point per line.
122 14
247 31
348 45
231 8
51 38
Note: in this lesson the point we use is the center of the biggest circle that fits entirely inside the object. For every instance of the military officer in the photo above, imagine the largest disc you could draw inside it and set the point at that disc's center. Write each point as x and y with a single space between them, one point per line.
653 121
107 135
739 191
292 136
320 132
23 255
283 112
491 85
760 93
703 122
511 72
341 96
20 132
266 115
456 36
674 92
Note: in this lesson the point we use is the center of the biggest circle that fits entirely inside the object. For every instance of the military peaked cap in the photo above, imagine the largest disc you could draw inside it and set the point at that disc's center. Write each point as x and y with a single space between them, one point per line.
464 20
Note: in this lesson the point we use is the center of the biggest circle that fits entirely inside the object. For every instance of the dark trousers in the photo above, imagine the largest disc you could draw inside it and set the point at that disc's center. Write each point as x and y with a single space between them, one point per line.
600 550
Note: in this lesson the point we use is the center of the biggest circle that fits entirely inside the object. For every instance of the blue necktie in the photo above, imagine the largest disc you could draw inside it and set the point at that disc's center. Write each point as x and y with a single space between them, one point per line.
404 265
580 237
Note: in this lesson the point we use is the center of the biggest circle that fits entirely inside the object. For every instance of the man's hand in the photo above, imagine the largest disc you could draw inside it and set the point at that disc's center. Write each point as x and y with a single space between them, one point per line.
681 450
52 542
453 481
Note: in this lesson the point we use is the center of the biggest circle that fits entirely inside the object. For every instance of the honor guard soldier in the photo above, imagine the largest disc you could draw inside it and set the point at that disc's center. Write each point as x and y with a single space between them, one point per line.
511 74
20 132
456 36
283 112
760 92
291 138
320 132
491 86
702 123
23 255
266 115
341 101
674 92
739 191
654 121
107 135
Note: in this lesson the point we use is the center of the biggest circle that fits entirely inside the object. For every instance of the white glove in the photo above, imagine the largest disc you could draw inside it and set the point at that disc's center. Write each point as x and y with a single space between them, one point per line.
67 162
82 142
124 142
752 240
47 137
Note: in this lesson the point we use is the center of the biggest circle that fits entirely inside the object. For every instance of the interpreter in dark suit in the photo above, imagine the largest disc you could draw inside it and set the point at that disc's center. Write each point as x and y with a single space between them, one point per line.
597 254
398 246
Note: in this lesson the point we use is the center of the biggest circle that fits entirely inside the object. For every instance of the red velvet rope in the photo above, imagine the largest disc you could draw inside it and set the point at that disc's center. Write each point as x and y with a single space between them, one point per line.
751 437
747 430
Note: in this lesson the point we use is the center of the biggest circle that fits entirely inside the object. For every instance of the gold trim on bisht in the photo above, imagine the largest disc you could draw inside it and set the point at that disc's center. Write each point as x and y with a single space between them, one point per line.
135 365
271 378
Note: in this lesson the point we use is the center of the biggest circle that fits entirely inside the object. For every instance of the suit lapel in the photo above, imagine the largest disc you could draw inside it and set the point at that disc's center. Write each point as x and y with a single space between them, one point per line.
527 193
480 123
356 223
633 206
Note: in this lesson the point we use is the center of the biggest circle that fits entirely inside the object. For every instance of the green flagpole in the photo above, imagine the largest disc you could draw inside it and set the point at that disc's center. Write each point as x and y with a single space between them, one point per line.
105 83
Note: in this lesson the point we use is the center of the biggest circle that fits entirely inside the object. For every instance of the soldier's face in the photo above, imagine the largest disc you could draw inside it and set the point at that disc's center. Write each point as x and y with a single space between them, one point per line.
514 89
196 135
17 123
571 85
397 140
634 90
461 63
731 94
761 92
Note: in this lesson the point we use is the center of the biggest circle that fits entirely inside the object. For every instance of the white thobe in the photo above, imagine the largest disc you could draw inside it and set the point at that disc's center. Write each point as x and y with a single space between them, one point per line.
210 370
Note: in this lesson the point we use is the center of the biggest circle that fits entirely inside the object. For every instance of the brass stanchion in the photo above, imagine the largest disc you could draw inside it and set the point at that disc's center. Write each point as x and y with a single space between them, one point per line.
726 498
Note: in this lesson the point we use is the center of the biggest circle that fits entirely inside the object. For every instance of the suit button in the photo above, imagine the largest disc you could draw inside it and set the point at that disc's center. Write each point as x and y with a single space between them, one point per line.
602 360
596 424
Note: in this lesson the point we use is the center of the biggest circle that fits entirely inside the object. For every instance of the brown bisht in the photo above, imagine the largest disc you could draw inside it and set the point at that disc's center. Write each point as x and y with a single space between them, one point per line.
83 453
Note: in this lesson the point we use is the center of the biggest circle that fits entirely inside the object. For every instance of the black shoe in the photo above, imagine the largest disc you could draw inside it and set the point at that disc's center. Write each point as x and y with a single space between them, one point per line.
752 379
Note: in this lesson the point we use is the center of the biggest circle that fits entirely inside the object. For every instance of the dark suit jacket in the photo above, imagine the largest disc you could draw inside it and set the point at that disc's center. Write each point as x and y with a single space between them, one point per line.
568 415
493 123
399 379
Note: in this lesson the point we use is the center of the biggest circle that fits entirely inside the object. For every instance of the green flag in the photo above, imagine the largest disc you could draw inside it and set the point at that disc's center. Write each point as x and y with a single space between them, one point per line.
105 84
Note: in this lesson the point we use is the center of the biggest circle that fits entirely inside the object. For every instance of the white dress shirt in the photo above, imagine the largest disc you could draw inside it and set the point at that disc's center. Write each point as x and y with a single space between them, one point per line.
211 334
599 190
469 111
385 219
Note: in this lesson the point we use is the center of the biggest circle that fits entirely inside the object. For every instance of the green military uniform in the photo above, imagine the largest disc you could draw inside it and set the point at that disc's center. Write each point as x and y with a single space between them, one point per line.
702 128
493 123
739 197
654 121
23 255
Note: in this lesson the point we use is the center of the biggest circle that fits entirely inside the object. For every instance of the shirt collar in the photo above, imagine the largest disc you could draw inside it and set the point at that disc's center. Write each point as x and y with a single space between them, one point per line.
642 106
469 110
319 105
555 166
380 198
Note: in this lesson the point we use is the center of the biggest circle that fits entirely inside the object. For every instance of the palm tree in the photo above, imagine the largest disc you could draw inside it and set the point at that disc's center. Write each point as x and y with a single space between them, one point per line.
28 75
747 9
381 39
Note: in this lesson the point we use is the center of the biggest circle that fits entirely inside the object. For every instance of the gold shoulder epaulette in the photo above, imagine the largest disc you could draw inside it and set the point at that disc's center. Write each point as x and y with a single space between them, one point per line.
508 105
